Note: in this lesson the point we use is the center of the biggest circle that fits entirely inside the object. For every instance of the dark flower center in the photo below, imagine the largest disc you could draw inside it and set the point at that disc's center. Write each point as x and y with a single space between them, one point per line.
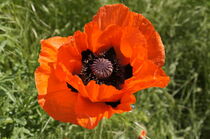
104 68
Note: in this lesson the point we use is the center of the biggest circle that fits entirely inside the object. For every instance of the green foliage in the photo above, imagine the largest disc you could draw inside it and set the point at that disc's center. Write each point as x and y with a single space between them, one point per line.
182 110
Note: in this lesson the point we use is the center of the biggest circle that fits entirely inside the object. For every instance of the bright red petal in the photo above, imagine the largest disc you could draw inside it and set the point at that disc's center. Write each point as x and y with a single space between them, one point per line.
80 41
89 114
110 37
101 93
125 103
133 43
146 74
156 51
41 79
58 100
69 57
61 105
93 32
112 14
155 47
49 49
120 15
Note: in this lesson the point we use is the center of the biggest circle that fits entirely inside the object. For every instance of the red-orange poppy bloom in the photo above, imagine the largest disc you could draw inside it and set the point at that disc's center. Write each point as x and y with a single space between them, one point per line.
93 74
142 134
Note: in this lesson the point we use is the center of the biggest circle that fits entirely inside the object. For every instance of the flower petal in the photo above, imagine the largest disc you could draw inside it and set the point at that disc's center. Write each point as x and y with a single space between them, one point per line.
111 37
88 113
120 15
70 57
58 100
41 79
155 47
125 103
48 54
81 41
101 93
49 49
156 51
61 105
133 43
93 32
111 14
146 74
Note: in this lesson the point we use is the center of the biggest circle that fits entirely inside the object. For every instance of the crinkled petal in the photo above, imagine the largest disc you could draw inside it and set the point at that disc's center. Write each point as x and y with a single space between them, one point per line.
146 74
112 14
120 15
61 105
89 114
133 43
69 57
48 56
100 93
58 100
125 103
81 41
93 32
49 49
156 51
110 37
41 79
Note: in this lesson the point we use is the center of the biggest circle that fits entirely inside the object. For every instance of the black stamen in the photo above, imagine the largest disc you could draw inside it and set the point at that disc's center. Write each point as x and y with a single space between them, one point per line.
87 55
72 88
128 71
110 54
113 104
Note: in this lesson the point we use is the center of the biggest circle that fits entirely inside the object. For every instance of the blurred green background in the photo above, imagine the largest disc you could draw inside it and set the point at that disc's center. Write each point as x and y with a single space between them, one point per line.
179 111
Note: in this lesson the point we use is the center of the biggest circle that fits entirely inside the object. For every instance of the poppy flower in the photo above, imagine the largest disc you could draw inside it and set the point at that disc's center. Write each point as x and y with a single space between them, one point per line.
142 134
94 73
